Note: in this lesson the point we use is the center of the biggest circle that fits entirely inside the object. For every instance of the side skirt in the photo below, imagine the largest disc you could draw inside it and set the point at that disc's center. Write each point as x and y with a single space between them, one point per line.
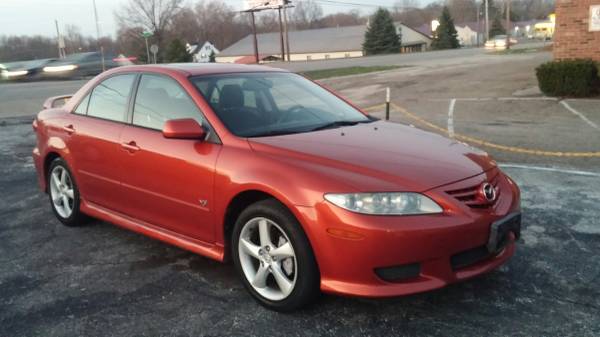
213 251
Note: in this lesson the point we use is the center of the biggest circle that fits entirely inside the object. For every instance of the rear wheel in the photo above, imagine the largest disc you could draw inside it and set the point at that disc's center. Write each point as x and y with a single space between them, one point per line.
64 195
274 258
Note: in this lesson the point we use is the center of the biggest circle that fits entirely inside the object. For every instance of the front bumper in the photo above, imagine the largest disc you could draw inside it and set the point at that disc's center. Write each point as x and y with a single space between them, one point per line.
352 249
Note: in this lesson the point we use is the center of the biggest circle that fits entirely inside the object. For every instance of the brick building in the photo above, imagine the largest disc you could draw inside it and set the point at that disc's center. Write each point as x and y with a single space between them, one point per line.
577 29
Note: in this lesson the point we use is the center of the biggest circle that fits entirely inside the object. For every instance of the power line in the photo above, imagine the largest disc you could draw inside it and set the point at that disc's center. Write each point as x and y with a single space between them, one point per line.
357 4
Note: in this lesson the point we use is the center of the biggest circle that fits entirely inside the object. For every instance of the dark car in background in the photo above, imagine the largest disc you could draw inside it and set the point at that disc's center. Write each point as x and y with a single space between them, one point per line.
81 65
24 70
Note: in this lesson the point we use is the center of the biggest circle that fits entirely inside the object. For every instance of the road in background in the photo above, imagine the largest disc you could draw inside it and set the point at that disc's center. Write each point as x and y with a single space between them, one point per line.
25 99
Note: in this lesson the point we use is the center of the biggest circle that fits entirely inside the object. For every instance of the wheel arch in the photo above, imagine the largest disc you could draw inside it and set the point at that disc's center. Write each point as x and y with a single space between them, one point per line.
241 201
48 159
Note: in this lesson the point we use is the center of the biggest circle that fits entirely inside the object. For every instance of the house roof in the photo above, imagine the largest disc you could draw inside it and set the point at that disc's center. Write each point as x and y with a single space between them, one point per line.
323 40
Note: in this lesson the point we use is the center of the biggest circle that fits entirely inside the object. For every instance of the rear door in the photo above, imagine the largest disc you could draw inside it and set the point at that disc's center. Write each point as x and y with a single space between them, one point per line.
168 182
95 130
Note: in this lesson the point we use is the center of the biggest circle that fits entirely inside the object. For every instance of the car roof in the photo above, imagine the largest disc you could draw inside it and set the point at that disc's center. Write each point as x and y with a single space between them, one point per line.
193 69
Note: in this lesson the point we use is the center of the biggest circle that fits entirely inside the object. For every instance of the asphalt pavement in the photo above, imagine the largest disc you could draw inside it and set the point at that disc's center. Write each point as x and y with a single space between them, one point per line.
100 280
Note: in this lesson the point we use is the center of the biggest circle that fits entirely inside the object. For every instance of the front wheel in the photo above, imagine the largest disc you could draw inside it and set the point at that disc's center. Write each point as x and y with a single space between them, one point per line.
274 258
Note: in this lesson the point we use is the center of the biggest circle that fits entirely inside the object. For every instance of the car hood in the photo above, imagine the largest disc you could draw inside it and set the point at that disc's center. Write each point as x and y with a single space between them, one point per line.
379 156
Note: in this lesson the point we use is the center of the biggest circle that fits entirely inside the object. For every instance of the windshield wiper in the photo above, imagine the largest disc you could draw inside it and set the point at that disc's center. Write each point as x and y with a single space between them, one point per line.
337 124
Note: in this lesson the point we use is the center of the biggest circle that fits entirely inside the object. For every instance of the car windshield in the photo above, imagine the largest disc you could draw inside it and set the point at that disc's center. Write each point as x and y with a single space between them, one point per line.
268 104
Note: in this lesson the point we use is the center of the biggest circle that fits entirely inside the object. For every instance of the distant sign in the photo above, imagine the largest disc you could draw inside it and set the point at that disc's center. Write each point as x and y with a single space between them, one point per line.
595 18
154 49
256 5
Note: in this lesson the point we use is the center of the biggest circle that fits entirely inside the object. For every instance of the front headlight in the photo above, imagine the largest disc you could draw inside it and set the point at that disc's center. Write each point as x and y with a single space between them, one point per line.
16 73
399 203
55 69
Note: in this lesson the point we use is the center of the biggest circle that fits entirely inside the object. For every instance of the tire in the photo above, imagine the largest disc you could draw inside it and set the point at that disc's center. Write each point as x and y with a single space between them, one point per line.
64 190
251 256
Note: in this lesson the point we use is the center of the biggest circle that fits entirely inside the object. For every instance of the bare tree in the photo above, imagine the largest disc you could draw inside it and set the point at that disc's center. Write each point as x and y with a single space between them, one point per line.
306 14
155 16
463 10
351 18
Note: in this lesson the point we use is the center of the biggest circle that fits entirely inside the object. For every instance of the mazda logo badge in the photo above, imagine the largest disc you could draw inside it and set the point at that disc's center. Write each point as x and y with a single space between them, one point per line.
489 192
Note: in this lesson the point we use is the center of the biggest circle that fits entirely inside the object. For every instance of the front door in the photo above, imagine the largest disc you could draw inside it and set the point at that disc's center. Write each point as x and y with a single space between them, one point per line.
167 182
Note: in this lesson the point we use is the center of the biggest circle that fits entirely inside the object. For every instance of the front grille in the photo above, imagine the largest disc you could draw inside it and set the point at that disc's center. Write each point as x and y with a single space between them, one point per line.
471 196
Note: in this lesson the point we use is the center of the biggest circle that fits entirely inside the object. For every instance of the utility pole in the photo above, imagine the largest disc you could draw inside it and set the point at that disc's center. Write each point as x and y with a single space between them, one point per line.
98 35
285 27
478 23
281 34
487 20
508 28
255 39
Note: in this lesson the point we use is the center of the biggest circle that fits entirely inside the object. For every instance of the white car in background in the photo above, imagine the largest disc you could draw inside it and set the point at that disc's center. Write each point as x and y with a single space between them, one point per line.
498 42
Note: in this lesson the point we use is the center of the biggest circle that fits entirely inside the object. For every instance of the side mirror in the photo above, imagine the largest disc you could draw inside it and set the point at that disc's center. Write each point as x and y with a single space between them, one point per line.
186 128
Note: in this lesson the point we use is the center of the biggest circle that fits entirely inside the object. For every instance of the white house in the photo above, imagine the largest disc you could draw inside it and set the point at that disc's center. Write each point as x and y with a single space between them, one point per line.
202 54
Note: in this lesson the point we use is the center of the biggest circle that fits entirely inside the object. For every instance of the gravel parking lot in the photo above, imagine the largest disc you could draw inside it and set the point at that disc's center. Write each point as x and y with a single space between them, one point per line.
100 280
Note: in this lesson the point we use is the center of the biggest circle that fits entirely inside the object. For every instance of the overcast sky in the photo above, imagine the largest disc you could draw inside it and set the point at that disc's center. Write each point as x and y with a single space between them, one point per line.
30 17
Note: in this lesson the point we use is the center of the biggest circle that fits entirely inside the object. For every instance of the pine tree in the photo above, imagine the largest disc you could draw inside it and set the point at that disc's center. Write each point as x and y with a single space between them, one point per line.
497 28
212 58
445 36
381 36
176 52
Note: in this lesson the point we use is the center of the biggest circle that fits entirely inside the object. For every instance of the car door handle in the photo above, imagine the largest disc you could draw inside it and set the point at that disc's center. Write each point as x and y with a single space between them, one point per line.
130 146
69 129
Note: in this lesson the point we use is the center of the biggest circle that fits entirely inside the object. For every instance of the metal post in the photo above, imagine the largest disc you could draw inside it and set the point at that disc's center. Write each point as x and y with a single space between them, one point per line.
487 20
281 35
147 51
508 28
256 58
287 37
387 104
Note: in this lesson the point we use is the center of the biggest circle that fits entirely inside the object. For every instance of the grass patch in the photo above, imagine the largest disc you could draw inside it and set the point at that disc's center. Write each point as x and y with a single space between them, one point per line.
337 72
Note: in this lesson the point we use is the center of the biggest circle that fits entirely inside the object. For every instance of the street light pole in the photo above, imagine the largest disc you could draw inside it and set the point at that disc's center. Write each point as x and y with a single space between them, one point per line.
98 35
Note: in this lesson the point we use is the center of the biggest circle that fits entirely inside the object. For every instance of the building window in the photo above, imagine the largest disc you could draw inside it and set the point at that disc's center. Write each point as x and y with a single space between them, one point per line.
308 57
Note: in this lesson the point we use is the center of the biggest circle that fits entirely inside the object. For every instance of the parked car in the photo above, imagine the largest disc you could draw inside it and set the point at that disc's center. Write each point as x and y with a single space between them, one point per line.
25 70
302 190
499 42
82 65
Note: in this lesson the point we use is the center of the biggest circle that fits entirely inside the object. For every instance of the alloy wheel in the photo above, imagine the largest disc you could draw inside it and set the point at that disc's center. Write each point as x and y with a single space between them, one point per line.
61 191
267 259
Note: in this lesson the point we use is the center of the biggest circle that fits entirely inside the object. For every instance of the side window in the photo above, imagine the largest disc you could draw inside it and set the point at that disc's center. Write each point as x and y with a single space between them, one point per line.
160 99
109 98
83 105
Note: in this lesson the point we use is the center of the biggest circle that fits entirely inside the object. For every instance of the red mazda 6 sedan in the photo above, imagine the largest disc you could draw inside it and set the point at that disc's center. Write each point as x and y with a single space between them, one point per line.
301 189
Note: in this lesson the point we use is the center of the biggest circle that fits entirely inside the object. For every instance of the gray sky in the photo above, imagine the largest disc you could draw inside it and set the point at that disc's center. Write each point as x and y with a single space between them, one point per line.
31 17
